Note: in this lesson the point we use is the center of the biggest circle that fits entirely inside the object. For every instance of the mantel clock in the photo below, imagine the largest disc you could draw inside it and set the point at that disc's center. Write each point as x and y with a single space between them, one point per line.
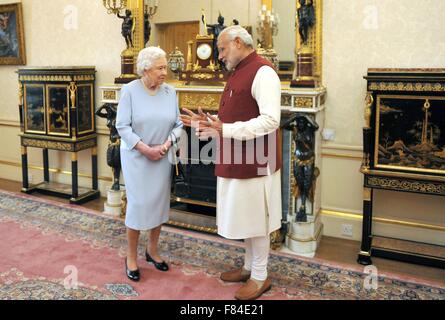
204 69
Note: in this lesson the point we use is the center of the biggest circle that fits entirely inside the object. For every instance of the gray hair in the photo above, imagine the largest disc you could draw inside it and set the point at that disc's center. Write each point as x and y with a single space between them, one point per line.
238 32
147 57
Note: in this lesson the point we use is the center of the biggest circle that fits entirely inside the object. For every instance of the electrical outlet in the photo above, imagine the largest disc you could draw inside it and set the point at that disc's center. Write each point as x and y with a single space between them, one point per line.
328 134
30 178
346 230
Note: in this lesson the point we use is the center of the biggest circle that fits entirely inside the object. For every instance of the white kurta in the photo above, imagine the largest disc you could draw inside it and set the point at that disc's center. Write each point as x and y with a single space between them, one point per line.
248 208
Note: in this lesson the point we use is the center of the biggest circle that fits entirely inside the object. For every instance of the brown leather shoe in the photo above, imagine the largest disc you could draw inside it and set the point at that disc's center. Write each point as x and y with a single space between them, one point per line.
250 290
235 275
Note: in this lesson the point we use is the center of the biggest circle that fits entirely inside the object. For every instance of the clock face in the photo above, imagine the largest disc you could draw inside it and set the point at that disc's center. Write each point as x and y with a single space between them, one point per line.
204 51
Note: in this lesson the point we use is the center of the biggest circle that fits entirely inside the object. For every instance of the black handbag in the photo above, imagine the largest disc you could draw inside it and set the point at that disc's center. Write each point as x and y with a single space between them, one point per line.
177 170
178 176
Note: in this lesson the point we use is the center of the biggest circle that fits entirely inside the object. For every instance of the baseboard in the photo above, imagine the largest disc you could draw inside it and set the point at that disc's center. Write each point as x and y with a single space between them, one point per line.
334 220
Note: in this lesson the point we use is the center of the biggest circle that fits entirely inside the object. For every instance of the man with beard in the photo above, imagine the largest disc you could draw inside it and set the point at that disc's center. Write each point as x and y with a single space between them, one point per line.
248 158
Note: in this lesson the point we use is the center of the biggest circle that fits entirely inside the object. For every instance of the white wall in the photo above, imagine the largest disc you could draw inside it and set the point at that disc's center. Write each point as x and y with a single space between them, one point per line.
357 35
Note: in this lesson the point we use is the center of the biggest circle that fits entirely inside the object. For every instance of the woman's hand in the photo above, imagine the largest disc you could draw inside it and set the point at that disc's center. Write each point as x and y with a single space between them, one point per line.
152 153
166 146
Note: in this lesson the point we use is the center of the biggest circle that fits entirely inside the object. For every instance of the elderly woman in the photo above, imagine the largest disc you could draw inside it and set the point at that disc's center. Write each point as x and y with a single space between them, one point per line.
148 123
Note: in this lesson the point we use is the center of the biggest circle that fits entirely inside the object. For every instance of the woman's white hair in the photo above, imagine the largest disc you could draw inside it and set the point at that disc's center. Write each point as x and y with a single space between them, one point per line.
147 57
237 31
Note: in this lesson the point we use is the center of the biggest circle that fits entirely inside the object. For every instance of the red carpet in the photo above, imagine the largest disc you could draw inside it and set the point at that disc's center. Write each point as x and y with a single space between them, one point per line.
43 244
31 254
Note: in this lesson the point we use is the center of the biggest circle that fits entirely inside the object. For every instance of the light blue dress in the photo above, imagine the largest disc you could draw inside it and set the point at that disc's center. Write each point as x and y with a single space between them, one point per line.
151 119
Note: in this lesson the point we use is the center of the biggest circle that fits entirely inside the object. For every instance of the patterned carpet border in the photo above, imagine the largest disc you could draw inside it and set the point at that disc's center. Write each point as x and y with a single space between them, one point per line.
296 277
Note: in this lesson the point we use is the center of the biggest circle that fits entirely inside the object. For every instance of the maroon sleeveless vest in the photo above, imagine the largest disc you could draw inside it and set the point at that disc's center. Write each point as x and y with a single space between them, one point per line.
245 159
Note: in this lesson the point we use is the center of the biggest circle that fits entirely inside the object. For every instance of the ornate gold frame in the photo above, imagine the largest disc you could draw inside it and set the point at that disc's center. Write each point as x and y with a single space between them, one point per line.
25 113
21 58
51 128
137 9
91 109
377 119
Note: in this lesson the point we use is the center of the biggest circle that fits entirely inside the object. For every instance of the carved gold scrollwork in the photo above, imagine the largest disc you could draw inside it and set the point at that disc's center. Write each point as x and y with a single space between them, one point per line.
405 185
276 240
20 94
392 86
202 76
83 78
369 100
73 89
365 162
195 100
85 145
286 100
192 226
47 144
109 95
45 78
367 194
303 102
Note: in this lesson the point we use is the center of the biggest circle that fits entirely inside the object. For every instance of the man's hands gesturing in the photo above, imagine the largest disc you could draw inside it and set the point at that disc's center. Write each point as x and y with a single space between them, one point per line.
206 125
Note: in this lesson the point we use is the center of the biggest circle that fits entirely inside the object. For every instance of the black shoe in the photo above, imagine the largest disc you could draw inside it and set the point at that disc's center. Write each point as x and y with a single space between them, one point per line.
159 265
133 275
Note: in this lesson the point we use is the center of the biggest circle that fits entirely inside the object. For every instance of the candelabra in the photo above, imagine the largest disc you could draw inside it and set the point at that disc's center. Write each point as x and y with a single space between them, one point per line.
115 6
128 27
151 7
267 26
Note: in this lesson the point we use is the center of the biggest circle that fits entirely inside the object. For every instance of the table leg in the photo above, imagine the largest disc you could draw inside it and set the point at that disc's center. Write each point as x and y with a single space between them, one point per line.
364 256
46 165
94 167
25 182
74 177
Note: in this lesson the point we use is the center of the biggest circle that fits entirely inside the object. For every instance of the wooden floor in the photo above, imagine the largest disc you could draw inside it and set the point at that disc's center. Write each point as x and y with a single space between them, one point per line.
332 249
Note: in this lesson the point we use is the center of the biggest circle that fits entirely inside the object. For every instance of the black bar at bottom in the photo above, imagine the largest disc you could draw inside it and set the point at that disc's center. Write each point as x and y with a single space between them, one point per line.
406 257
25 182
94 168
46 165
74 179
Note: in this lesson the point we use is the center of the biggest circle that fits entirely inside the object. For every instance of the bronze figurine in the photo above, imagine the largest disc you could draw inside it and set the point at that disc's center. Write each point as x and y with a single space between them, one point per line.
109 112
306 19
128 26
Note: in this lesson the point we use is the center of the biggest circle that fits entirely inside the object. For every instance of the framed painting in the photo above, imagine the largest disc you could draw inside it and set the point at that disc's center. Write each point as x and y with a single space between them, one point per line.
12 42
